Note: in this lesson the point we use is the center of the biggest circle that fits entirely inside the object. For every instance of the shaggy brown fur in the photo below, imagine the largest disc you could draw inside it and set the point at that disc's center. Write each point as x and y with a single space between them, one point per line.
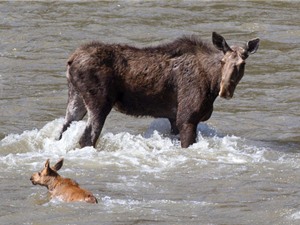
179 81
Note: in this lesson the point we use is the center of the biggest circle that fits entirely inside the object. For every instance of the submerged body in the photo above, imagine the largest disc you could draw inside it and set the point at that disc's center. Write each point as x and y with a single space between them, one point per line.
69 191
65 189
178 81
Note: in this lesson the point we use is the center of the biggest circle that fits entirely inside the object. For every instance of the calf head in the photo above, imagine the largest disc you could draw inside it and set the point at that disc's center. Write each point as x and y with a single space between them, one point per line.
233 63
47 175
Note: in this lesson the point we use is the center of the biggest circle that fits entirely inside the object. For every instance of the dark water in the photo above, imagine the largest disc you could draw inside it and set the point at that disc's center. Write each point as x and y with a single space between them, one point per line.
244 169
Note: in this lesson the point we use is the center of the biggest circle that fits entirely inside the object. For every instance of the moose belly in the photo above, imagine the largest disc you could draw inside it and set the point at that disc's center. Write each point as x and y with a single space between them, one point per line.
141 104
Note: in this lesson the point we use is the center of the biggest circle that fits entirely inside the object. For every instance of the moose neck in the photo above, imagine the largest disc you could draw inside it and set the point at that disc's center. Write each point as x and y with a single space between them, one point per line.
214 70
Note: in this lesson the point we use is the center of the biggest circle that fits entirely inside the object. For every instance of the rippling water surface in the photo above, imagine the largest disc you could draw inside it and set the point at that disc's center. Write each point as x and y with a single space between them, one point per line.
244 168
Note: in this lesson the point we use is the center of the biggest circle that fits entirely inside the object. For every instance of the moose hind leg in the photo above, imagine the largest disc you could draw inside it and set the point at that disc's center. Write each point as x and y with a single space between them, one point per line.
174 128
96 118
76 109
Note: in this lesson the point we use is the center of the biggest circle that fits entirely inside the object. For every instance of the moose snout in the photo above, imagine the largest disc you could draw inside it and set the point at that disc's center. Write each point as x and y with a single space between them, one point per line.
227 90
225 94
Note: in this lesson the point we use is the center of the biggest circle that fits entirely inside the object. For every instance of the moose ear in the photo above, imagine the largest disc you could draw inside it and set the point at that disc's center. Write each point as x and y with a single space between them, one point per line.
58 165
252 45
220 43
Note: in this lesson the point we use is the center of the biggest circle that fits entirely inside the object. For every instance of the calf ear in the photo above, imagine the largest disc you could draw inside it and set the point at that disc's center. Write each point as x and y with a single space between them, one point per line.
252 45
58 165
220 43
47 164
47 168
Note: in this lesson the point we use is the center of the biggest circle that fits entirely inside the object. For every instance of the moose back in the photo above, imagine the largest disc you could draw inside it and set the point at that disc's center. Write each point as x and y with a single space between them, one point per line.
178 80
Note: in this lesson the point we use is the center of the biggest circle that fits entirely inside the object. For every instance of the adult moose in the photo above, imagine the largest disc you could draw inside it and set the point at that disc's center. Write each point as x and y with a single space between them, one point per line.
179 81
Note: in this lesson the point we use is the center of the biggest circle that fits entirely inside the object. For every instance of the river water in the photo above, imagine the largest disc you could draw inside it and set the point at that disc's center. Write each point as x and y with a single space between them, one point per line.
245 166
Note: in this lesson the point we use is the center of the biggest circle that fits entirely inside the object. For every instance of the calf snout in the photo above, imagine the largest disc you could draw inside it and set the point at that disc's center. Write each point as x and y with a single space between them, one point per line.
32 179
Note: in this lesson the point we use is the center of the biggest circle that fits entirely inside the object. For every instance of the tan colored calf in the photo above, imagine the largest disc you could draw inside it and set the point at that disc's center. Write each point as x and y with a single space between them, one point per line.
64 188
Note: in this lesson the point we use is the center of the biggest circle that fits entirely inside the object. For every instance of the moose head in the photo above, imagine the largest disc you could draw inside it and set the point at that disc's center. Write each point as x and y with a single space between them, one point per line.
233 63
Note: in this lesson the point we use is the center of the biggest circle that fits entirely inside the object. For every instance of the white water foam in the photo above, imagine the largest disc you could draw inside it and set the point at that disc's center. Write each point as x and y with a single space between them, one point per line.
295 216
152 153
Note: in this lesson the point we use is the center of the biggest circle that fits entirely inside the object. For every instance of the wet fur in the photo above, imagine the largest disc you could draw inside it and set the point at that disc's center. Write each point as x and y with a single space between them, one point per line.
178 80
65 189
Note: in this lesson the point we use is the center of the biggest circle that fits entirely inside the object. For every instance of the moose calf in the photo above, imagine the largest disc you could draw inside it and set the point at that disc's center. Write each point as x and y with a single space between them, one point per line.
63 188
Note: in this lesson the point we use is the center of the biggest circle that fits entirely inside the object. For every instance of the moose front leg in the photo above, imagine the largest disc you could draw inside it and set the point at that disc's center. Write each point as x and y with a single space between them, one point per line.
189 114
187 134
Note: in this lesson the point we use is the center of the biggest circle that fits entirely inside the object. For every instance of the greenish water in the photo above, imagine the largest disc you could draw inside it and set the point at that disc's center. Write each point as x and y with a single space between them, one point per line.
244 169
